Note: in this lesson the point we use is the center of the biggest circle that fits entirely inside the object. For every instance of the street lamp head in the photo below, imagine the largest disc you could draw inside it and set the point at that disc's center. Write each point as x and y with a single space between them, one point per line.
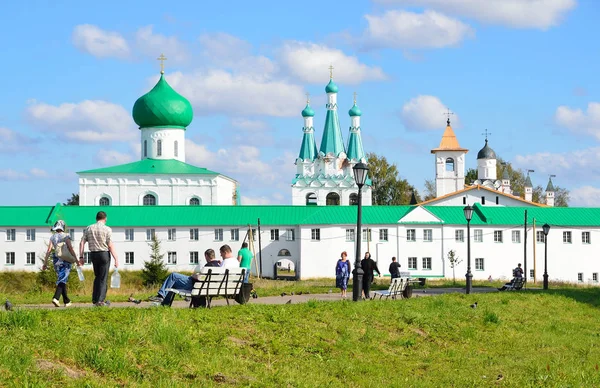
546 228
360 173
468 213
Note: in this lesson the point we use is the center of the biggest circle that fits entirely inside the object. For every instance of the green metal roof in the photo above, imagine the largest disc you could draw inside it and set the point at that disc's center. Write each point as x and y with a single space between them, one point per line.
308 149
332 141
162 107
355 146
282 215
152 166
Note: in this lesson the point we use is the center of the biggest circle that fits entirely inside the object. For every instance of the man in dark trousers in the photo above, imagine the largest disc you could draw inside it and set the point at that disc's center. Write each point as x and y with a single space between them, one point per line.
395 268
368 266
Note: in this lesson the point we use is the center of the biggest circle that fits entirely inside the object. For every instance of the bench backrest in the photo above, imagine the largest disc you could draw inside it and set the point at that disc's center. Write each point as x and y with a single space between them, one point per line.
214 281
397 285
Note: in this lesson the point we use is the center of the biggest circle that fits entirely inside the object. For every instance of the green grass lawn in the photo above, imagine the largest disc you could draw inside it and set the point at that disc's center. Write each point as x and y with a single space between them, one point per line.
530 338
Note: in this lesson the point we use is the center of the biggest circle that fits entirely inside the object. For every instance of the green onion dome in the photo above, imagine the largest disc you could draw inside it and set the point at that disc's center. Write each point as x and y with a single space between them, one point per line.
331 87
354 111
308 111
162 107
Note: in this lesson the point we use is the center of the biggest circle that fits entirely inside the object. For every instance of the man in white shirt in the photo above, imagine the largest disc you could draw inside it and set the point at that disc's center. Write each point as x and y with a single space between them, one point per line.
229 261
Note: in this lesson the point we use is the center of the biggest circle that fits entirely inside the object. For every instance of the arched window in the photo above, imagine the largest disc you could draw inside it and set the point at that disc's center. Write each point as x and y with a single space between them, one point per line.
159 148
311 199
284 252
145 148
176 150
353 199
449 164
332 199
104 201
149 200
194 201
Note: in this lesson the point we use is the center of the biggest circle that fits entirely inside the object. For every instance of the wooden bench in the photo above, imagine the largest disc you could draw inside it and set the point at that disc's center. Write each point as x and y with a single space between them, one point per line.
401 286
516 284
210 282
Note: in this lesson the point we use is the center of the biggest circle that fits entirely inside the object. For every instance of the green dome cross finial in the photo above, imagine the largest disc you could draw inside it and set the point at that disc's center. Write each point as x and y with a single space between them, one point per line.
308 111
331 86
162 60
355 111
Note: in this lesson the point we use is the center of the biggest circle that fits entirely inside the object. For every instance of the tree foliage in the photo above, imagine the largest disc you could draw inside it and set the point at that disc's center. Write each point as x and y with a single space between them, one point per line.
73 201
155 270
429 190
387 186
453 260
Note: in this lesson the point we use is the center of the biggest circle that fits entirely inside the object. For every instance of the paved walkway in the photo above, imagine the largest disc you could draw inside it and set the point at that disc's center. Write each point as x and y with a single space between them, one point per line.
286 299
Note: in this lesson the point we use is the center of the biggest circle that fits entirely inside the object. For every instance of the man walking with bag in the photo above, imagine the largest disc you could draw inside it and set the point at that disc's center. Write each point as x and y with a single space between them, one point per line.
98 236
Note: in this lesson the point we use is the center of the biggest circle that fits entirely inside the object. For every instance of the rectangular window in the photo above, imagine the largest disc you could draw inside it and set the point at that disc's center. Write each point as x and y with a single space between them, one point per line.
412 263
72 234
194 234
498 236
383 235
274 234
567 237
479 264
219 234
595 277
11 234
478 235
172 234
585 237
87 258
366 235
427 263
128 234
30 234
30 259
290 235
411 235
516 236
459 235
315 234
194 257
10 258
171 257
580 277
129 258
483 200
234 235
150 234
539 236
349 234
427 235
531 274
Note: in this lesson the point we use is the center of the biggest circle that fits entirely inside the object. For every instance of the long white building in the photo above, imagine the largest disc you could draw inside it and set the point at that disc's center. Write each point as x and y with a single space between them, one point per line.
313 237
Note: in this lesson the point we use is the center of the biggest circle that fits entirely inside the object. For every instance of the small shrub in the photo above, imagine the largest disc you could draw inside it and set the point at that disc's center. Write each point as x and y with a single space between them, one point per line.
155 271
491 317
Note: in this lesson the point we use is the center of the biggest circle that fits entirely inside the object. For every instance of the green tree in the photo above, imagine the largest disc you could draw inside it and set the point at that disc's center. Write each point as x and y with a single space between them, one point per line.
470 176
429 190
387 186
454 261
73 201
155 271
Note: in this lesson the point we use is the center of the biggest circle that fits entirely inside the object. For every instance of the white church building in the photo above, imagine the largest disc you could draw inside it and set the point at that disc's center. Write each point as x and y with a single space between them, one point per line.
190 209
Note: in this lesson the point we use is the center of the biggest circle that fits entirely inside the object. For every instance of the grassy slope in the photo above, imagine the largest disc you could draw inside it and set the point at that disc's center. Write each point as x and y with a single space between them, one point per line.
532 339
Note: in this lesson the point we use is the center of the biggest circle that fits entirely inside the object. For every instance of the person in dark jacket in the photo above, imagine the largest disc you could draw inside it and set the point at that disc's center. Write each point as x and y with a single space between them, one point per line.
369 267
394 268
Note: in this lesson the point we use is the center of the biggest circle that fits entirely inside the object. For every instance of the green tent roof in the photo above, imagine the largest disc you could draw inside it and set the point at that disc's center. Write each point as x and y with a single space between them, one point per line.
152 166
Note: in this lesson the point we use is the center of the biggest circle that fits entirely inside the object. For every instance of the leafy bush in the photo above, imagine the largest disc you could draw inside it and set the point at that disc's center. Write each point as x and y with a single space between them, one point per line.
155 271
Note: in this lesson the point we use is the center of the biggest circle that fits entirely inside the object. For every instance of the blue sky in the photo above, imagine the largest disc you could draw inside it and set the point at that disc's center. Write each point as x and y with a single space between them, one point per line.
525 70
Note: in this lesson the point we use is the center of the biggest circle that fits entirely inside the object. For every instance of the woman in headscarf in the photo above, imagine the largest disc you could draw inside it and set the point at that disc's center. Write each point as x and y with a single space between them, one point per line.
62 267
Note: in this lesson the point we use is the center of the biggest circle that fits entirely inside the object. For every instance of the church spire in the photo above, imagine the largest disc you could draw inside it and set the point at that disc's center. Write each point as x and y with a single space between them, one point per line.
355 146
308 149
332 141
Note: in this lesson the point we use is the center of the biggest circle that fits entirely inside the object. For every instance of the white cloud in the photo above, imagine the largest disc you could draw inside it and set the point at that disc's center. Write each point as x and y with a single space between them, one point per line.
99 43
13 141
540 14
578 121
87 121
230 52
572 166
310 62
12 175
403 29
222 92
587 196
39 173
424 113
152 44
112 157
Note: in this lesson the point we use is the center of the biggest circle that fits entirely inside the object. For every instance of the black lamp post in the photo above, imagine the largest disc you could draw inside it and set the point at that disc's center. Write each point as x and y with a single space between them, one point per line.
360 176
468 215
546 228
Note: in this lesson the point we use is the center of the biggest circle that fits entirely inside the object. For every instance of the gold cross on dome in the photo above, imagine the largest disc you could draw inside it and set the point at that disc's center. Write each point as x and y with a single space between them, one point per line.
162 60
307 98
330 71
355 94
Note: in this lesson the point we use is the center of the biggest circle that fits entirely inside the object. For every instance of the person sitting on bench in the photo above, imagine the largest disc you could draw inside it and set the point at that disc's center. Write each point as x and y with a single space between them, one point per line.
185 282
517 279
